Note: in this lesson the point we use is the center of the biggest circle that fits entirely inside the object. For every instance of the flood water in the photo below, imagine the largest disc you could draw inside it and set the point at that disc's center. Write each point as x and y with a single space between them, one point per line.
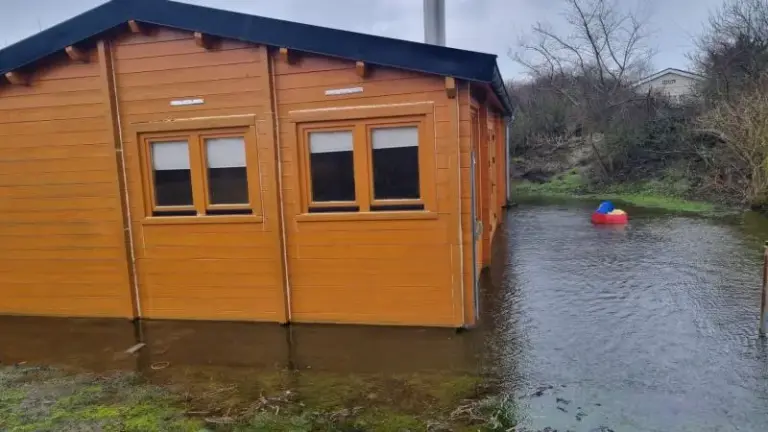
651 327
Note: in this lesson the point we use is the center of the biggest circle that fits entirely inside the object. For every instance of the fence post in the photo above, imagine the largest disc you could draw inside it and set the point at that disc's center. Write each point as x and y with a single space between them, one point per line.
764 294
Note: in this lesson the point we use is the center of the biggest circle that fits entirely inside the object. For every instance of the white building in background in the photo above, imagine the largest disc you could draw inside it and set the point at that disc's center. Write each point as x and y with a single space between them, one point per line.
675 83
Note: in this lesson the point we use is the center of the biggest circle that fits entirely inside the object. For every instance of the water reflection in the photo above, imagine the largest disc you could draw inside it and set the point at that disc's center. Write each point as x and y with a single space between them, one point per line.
222 367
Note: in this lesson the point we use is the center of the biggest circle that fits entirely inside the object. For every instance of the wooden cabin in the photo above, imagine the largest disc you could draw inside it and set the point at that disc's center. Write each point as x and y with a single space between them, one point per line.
162 160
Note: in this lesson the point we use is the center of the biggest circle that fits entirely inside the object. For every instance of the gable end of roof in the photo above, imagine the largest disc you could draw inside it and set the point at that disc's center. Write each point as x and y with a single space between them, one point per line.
377 50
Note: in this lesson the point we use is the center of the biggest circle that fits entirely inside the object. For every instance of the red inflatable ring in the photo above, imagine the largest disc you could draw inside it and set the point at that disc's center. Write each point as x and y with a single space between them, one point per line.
609 219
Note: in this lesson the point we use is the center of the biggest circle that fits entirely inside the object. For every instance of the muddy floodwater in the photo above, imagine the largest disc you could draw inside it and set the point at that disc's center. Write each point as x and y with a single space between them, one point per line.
650 327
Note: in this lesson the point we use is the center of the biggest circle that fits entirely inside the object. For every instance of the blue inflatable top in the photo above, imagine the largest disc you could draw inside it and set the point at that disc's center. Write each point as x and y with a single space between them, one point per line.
605 207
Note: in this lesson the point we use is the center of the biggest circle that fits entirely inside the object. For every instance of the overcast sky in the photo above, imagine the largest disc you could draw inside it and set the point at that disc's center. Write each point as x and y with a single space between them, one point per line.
493 26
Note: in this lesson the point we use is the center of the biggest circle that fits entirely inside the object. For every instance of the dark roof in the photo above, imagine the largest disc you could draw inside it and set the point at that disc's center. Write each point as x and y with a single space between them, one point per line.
438 60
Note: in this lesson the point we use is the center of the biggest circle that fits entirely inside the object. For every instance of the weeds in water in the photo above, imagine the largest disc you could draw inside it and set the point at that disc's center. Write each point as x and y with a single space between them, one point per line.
495 413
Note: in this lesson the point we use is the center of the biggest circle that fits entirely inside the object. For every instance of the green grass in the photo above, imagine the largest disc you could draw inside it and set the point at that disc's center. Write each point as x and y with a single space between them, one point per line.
42 399
33 400
666 194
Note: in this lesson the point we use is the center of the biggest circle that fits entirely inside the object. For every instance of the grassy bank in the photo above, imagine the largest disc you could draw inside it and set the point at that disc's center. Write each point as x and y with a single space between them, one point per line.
666 194
42 399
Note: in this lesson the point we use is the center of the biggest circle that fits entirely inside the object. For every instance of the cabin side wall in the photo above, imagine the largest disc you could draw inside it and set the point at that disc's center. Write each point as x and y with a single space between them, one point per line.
482 132
200 269
62 249
375 268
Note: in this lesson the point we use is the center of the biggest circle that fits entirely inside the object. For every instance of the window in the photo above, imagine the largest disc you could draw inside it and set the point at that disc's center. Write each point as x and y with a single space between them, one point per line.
201 173
331 166
668 81
227 172
171 174
395 160
370 165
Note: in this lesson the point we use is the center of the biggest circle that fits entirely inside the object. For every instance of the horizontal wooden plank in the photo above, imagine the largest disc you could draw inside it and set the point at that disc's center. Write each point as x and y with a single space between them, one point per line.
168 237
161 48
53 127
60 241
384 226
245 290
61 99
71 282
56 165
38 87
434 254
310 63
352 238
63 305
70 113
236 267
62 268
389 303
60 178
254 100
79 140
183 61
157 34
55 152
309 273
108 214
100 190
194 75
371 89
209 308
61 68
171 91
365 265
284 109
346 77
222 252
61 252
53 204
129 135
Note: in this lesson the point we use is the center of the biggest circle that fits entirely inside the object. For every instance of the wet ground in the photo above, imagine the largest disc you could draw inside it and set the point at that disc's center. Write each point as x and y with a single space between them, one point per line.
648 328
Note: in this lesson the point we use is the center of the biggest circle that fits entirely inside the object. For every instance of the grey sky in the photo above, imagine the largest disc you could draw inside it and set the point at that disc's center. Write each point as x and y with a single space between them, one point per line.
493 26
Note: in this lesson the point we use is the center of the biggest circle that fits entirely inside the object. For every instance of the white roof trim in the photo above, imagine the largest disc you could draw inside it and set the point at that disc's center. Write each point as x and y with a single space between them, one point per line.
668 71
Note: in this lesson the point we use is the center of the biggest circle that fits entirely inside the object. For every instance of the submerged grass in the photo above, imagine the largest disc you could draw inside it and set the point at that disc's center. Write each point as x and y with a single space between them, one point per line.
33 399
667 193
42 399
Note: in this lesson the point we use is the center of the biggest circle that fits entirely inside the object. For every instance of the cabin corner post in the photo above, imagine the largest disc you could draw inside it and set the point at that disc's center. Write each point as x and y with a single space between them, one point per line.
455 224
109 94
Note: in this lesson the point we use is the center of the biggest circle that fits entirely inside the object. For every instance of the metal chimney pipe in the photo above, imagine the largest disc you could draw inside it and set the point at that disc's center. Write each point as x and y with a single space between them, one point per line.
434 22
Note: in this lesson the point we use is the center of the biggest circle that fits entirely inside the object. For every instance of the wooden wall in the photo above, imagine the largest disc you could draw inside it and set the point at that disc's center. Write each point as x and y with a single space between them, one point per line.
60 194
370 271
488 131
61 242
186 269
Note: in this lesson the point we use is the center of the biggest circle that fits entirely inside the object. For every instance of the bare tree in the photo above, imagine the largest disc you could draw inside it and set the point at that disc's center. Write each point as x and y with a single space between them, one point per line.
591 62
600 41
733 51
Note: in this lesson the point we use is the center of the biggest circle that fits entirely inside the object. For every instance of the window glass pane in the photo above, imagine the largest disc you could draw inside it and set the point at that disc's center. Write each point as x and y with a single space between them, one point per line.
395 162
227 177
171 174
331 164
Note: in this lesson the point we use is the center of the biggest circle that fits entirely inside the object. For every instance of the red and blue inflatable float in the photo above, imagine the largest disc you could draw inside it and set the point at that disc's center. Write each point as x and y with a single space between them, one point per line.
607 214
